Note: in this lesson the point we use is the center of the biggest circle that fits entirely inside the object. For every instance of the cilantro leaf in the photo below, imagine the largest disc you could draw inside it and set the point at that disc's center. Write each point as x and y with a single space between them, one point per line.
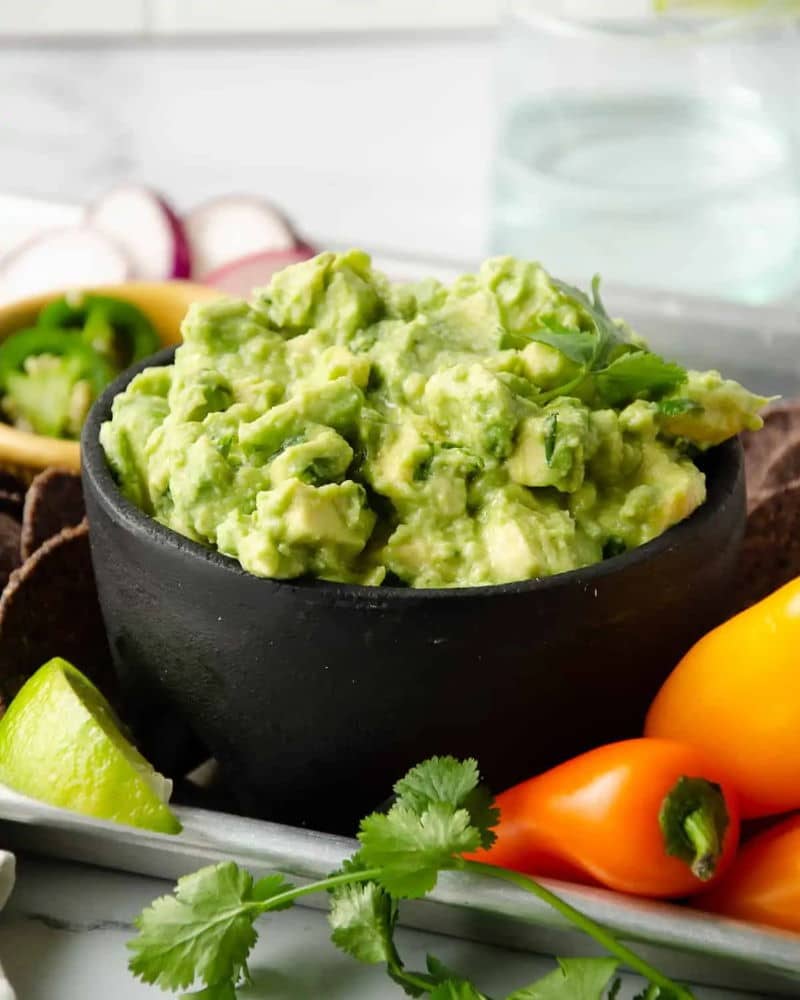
676 407
636 374
270 886
439 779
621 369
577 345
551 434
362 918
456 782
202 935
610 337
204 932
574 979
484 814
449 984
456 989
411 848
218 991
438 970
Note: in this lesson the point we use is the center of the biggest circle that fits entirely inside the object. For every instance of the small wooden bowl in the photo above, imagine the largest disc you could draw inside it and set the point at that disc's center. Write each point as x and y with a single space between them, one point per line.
164 303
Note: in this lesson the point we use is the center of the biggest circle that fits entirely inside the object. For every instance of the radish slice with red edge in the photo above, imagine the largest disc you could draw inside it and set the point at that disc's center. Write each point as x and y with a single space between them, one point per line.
227 229
72 257
240 277
147 229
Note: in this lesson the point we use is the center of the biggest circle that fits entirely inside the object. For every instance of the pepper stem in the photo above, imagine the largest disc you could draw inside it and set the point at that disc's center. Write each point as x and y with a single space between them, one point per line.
701 831
693 820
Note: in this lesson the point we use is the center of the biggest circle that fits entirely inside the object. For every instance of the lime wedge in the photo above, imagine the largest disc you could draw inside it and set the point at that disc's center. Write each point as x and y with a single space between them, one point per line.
60 742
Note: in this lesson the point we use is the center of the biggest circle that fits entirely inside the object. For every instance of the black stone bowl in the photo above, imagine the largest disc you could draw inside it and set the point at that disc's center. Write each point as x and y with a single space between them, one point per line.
316 696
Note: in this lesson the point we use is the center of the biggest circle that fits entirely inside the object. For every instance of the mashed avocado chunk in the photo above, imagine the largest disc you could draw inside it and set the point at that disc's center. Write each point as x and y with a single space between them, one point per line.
499 429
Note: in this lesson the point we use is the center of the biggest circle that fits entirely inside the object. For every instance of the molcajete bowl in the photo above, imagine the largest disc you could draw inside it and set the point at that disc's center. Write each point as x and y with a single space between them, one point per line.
316 696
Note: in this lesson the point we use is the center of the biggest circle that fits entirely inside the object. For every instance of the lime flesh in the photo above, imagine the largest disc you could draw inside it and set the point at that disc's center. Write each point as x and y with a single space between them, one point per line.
60 743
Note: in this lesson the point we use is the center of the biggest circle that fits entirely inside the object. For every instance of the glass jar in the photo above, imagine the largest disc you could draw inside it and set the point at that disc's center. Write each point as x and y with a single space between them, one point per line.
659 147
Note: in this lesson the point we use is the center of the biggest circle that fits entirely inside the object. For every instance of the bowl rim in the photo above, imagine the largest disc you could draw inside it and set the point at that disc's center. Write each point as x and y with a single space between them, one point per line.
98 475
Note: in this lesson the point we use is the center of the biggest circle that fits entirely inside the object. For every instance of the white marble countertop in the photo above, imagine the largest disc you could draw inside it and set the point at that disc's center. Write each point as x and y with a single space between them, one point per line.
63 934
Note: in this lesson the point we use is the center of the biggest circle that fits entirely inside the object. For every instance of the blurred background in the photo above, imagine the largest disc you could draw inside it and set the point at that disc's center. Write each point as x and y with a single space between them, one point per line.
367 121
656 141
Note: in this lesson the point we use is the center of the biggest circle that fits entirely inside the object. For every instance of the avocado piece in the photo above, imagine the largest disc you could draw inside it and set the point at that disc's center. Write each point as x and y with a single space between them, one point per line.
550 449
473 408
721 408
323 457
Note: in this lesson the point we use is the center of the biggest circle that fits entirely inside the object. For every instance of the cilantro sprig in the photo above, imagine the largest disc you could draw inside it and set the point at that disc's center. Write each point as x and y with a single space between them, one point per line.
201 937
610 364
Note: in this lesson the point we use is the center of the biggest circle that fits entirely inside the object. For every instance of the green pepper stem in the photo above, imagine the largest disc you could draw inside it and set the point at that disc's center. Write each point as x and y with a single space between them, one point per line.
701 832
694 819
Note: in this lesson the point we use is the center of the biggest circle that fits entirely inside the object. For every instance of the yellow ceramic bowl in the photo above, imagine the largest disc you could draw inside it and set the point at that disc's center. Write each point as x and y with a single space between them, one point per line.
165 303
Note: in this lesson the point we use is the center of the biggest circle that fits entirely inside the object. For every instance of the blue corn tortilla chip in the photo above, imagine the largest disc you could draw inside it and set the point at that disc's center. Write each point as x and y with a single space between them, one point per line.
54 501
763 449
48 608
770 554
10 532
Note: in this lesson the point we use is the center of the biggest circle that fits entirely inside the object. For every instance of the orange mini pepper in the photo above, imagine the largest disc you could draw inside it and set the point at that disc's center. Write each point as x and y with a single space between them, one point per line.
736 696
645 816
763 884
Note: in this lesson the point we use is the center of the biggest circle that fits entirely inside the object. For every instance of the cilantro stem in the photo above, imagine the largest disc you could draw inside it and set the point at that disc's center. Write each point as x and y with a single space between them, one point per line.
399 972
566 388
322 885
593 930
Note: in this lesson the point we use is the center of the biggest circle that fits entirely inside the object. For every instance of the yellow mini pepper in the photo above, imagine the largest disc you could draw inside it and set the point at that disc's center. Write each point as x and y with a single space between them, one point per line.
736 695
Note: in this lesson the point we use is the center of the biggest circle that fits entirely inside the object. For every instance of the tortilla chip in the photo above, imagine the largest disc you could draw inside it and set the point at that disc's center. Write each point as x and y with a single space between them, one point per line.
54 501
9 547
12 494
781 428
784 468
50 608
771 551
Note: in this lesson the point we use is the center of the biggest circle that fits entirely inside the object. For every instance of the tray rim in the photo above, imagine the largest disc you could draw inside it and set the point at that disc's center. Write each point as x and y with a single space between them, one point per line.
210 836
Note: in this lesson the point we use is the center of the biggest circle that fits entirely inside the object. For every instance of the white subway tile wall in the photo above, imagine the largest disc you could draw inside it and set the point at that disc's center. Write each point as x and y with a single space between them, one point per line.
302 15
72 17
21 18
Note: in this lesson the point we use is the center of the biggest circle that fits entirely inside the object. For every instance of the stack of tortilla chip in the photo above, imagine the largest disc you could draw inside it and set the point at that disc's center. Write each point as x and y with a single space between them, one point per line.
771 551
49 604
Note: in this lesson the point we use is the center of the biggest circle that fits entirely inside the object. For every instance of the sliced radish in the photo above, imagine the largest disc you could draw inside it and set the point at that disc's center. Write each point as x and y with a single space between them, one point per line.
227 229
62 258
146 228
240 277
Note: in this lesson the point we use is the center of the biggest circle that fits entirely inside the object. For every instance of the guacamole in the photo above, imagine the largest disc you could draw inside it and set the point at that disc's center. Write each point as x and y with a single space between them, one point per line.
497 429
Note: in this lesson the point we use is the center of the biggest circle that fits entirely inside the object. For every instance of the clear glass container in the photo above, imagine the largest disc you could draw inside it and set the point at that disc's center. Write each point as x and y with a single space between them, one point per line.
660 147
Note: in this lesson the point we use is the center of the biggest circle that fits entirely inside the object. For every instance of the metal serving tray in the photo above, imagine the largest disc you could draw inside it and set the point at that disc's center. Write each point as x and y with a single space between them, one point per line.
758 346
685 943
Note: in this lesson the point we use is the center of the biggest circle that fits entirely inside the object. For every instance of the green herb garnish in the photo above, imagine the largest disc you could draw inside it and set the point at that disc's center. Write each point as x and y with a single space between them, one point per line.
676 407
203 934
550 437
610 364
